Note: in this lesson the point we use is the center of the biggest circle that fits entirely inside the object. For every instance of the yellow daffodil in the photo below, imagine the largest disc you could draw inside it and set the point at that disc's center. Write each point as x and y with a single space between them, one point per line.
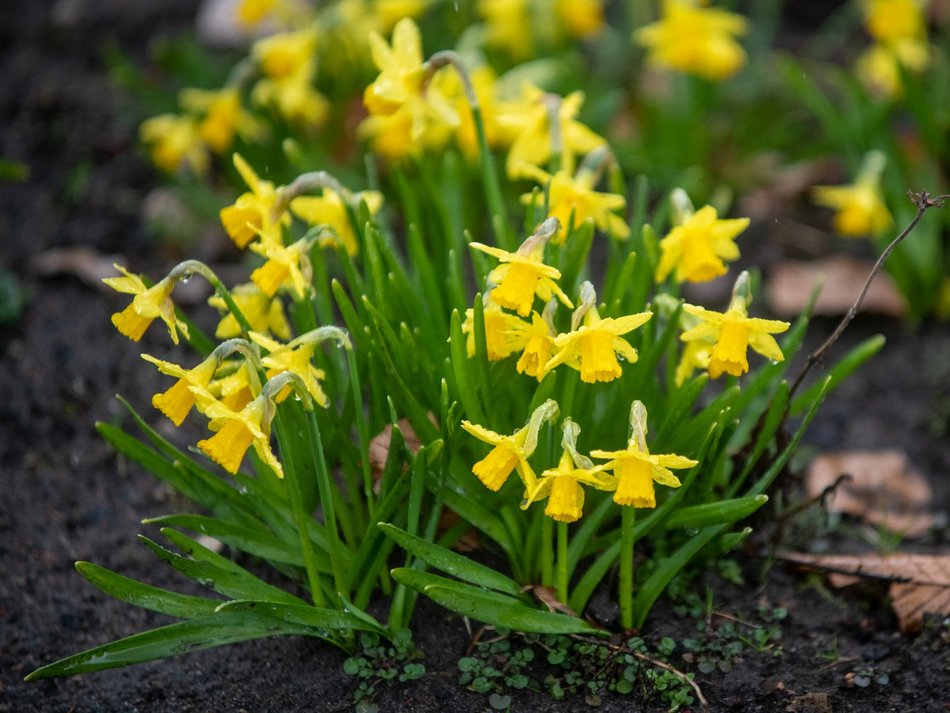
297 358
695 39
562 485
695 250
695 356
522 274
510 452
235 432
889 21
513 25
859 207
290 264
177 401
175 140
575 197
400 98
636 468
235 385
147 304
263 313
223 117
527 124
508 26
593 343
284 13
286 54
252 214
330 210
504 333
289 63
879 67
293 98
483 82
733 333
580 18
539 342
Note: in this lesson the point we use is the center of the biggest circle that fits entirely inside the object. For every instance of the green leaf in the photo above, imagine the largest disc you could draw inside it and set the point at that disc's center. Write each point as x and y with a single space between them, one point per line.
725 511
492 607
231 580
313 617
451 562
180 638
163 601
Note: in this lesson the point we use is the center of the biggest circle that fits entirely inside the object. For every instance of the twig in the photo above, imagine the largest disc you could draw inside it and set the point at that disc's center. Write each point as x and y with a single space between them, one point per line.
652 661
792 512
924 202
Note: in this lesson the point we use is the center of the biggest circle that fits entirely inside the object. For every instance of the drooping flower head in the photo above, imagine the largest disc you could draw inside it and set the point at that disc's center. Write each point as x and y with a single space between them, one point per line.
177 401
574 197
734 332
697 246
593 343
523 274
330 210
285 265
510 452
147 304
263 313
695 39
253 213
636 468
175 140
539 342
859 207
223 117
562 485
297 357
541 125
236 431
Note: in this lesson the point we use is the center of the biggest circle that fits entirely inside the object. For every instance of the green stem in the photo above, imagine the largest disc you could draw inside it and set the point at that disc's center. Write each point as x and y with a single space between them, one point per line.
300 517
562 561
547 551
326 500
625 594
496 204
362 430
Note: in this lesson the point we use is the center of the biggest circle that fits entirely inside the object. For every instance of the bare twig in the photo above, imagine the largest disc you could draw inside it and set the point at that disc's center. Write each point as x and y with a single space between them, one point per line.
924 201
821 497
652 661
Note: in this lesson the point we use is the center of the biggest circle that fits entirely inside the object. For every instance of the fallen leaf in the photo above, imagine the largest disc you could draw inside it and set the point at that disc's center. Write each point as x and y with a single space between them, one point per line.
379 447
918 583
81 262
841 277
883 489
548 597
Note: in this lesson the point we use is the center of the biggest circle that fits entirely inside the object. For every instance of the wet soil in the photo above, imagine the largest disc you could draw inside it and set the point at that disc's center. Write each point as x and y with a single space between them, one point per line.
66 497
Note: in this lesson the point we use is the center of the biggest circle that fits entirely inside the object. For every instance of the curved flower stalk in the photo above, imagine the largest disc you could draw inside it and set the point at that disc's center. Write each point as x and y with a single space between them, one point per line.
695 39
593 343
523 274
511 452
733 333
859 207
696 249
148 303
296 357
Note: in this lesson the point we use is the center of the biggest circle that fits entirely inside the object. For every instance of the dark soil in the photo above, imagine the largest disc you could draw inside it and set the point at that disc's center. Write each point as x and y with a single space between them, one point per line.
68 498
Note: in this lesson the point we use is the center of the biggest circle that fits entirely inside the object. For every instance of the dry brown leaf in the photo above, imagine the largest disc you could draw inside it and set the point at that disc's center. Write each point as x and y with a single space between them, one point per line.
918 583
379 446
842 277
80 261
548 597
884 489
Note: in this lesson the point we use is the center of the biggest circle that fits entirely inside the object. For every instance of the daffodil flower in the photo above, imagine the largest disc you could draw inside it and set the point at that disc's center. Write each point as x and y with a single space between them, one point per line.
593 343
859 207
636 468
539 342
331 210
174 140
889 21
223 117
263 313
178 400
562 485
504 333
542 125
147 304
235 431
235 385
695 249
522 274
574 197
297 358
252 214
733 333
510 452
290 264
695 39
